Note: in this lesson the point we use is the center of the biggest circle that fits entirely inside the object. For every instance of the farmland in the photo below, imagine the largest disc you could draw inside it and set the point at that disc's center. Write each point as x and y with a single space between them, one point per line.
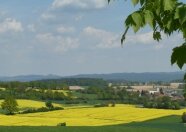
85 115
23 103
164 124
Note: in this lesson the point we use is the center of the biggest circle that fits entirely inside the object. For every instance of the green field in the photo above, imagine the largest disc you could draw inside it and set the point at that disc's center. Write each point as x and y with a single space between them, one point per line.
163 124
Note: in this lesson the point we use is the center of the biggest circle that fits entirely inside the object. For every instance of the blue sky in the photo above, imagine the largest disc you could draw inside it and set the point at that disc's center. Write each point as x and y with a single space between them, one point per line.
68 37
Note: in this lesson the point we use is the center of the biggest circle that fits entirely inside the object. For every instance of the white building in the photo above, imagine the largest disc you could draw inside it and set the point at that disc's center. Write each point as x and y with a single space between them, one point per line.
154 91
176 85
74 88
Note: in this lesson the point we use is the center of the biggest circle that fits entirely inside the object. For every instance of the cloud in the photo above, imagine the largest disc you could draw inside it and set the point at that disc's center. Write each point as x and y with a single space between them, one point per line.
2 13
63 29
47 16
78 17
105 39
79 4
57 43
31 27
159 46
143 38
102 38
11 25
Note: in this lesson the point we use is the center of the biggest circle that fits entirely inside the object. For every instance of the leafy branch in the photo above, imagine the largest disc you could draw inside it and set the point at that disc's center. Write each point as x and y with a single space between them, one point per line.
163 16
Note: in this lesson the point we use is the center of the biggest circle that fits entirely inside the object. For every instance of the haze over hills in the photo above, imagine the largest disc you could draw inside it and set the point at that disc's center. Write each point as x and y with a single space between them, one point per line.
27 78
141 77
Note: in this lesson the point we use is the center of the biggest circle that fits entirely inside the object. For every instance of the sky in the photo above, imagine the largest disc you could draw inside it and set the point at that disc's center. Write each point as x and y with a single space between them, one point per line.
69 37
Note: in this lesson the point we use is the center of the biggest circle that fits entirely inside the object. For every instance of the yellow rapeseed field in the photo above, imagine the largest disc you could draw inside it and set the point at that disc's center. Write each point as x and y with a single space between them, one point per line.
23 103
84 116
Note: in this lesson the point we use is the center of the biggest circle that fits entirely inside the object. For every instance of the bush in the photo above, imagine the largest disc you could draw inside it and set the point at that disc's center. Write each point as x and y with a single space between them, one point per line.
175 106
10 105
42 109
57 108
102 105
148 104
162 103
72 102
113 105
184 117
62 124
49 105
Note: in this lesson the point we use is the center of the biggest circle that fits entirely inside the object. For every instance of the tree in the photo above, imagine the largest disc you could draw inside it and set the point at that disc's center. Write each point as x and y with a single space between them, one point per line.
10 105
161 91
49 104
184 91
184 117
163 16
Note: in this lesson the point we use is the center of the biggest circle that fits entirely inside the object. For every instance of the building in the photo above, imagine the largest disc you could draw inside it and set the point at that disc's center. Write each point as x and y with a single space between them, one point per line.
177 85
154 91
75 88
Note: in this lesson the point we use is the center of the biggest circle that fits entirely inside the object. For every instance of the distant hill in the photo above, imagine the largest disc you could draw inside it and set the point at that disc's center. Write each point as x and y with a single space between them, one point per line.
27 78
140 77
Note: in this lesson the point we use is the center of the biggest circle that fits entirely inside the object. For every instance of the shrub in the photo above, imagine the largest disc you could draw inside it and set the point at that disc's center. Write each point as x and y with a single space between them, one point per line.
113 105
58 108
62 124
49 105
148 104
162 103
102 105
10 105
42 109
72 102
175 106
184 117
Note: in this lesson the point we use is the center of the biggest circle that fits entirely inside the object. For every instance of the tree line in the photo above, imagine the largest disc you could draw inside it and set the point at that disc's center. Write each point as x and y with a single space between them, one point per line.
63 83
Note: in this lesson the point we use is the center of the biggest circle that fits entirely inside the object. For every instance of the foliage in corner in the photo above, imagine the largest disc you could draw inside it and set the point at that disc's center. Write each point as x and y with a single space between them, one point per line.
179 55
163 16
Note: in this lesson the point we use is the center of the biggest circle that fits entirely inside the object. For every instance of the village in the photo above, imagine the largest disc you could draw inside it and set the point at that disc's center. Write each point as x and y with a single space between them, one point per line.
172 90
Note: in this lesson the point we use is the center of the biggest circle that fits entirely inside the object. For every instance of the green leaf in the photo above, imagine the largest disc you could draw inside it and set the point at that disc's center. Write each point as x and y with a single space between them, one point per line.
135 28
149 17
176 15
157 36
137 18
158 11
142 2
184 31
137 21
135 2
129 21
179 56
169 5
182 14
169 25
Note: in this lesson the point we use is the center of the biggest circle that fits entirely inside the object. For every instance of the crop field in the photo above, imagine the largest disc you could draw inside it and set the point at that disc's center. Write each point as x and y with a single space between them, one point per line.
82 116
163 124
30 104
